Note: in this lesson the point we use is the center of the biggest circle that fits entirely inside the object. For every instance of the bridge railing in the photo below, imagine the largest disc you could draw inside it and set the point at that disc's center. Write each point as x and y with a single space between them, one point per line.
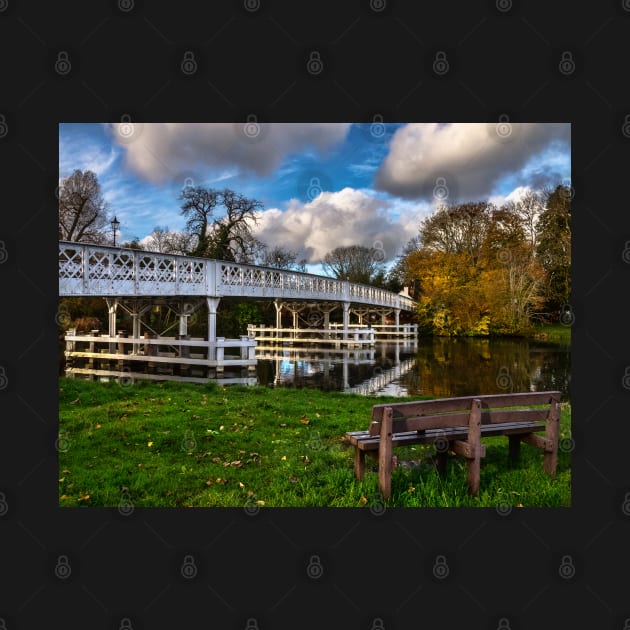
95 270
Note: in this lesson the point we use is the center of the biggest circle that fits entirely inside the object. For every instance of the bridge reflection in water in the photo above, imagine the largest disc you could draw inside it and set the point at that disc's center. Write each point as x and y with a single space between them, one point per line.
353 370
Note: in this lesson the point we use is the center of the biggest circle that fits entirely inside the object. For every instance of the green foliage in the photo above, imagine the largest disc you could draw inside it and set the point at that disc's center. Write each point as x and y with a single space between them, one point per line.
554 248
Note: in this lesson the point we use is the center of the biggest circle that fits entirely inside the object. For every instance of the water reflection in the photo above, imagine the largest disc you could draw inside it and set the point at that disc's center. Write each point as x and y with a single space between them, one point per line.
362 371
437 367
464 367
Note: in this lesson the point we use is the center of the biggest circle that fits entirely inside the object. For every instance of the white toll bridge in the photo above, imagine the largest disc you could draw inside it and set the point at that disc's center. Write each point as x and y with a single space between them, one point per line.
136 280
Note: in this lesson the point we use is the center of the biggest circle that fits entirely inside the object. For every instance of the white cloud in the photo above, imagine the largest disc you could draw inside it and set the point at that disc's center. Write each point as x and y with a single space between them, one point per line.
515 195
162 151
334 219
85 155
467 158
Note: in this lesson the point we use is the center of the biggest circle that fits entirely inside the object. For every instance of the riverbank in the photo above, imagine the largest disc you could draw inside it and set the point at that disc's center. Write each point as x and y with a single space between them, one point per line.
189 445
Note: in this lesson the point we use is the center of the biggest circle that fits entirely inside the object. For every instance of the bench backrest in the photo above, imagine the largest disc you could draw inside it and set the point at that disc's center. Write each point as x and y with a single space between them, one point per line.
452 412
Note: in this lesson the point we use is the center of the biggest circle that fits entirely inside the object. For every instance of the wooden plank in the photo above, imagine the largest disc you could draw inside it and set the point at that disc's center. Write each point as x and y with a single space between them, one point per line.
385 455
420 423
474 440
359 464
367 442
511 428
426 407
551 433
514 415
435 421
538 441
467 450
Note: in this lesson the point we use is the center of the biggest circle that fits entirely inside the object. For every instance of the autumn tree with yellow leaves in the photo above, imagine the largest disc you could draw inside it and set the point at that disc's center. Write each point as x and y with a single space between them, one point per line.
478 269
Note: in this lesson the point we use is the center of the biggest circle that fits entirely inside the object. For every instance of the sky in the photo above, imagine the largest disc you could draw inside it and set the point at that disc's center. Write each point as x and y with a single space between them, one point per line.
321 185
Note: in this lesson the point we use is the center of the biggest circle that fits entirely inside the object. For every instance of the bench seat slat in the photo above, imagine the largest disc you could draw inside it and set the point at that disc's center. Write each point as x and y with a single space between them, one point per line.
364 441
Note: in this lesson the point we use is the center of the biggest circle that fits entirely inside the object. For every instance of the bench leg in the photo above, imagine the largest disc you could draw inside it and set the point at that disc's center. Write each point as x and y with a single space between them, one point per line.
385 454
552 433
514 449
359 463
474 440
442 461
474 474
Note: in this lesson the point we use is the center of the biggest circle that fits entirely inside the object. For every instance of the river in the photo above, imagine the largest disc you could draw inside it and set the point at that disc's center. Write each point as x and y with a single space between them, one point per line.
437 367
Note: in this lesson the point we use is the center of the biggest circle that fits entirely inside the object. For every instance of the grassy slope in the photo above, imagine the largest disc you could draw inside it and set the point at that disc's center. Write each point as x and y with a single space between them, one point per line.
179 444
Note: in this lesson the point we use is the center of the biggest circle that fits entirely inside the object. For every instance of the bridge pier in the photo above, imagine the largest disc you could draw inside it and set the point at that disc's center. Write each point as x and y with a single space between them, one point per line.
346 318
213 304
112 305
278 306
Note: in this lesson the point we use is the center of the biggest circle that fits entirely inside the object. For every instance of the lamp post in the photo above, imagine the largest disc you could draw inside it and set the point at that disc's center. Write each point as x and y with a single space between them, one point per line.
115 225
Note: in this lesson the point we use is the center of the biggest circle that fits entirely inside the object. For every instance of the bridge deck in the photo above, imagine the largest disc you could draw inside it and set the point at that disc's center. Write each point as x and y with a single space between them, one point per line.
94 270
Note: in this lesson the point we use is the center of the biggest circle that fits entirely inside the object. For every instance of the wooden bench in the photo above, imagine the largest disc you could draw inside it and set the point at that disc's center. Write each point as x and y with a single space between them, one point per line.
457 425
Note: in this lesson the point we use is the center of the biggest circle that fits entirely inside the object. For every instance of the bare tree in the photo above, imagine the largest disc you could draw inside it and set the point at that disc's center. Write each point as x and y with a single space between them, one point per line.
281 258
356 263
82 209
230 236
167 241
529 208
198 206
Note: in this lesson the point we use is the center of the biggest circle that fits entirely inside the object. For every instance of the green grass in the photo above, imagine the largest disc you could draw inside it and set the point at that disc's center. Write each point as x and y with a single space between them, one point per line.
553 332
187 445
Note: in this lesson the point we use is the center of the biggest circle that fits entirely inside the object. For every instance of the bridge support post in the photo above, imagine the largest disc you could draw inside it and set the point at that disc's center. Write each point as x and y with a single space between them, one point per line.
112 305
278 306
397 320
346 319
137 311
213 304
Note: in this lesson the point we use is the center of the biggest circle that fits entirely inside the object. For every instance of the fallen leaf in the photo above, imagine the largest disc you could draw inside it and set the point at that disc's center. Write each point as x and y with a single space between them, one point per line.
283 458
304 420
149 443
293 479
363 500
209 483
236 464
261 503
241 484
84 497
75 401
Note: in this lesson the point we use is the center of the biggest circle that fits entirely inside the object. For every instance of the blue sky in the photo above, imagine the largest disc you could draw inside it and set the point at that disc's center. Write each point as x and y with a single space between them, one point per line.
322 185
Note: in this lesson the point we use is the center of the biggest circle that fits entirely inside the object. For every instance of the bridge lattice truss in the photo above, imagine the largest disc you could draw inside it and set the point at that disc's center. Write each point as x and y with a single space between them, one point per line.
92 270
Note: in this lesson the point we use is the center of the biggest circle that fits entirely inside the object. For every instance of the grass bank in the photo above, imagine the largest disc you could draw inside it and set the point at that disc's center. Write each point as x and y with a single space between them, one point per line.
558 333
188 445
